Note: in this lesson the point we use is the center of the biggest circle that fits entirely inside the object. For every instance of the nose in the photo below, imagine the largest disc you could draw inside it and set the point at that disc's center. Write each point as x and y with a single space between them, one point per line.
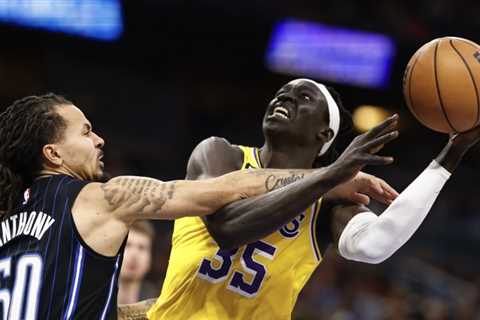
99 142
286 96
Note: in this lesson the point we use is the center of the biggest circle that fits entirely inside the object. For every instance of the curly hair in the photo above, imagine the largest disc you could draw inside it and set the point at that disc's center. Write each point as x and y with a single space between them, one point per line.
25 127
346 126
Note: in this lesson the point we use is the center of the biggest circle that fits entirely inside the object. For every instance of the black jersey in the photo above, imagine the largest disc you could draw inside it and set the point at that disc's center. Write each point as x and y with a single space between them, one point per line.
46 270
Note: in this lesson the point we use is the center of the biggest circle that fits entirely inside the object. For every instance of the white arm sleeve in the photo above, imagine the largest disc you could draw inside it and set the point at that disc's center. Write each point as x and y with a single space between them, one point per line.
372 239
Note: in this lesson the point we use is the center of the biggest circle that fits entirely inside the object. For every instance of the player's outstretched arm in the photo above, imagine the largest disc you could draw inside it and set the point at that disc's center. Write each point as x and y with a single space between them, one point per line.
130 198
365 237
104 212
252 219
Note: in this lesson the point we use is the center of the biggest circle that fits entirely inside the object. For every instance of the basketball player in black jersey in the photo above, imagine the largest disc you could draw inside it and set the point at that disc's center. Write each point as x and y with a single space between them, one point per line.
62 236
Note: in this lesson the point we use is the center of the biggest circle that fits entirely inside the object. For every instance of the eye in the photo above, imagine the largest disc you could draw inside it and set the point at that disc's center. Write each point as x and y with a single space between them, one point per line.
306 97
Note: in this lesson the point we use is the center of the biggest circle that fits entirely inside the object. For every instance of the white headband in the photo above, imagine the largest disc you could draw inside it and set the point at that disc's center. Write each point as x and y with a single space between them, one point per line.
333 112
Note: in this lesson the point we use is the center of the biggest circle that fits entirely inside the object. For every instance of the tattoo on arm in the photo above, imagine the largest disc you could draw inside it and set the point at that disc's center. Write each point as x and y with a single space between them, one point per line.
136 311
139 192
274 182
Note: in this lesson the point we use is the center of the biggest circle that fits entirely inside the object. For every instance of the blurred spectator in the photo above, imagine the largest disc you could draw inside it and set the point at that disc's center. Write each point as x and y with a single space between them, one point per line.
136 264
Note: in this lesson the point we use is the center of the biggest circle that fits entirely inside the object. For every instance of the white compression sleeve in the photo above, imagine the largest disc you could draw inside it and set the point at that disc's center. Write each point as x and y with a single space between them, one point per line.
372 239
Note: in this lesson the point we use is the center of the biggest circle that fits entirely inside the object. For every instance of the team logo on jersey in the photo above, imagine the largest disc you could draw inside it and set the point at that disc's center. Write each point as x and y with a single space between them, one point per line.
292 229
26 196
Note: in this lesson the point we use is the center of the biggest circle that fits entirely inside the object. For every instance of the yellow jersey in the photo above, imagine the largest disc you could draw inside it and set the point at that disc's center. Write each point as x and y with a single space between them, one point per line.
260 280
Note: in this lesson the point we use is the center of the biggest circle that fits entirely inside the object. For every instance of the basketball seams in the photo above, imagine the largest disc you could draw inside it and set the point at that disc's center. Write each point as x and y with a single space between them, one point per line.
439 90
437 87
410 98
471 44
471 76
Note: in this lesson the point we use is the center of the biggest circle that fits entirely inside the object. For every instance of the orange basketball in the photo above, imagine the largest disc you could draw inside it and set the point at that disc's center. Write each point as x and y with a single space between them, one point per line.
441 84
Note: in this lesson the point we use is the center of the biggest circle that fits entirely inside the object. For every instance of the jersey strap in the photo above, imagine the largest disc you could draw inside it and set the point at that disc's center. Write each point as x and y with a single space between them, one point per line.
251 158
313 234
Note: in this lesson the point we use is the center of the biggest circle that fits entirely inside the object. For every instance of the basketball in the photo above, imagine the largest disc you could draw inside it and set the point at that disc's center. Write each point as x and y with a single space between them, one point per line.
441 84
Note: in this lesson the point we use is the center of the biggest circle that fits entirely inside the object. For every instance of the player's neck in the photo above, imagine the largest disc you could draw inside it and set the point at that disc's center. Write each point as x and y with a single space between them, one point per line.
47 171
129 291
292 158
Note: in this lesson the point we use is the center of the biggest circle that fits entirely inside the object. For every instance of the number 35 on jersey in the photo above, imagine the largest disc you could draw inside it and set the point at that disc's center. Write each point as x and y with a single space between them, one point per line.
247 281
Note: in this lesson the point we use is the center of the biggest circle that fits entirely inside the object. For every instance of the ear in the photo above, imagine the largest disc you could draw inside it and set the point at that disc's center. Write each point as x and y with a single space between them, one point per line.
325 135
51 154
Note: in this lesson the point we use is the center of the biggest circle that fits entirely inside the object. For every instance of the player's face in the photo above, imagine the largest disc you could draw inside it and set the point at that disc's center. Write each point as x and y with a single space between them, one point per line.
137 257
299 110
80 148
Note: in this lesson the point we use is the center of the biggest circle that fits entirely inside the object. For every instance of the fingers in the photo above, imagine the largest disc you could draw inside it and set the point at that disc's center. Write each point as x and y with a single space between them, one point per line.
393 194
386 126
360 198
376 149
379 190
383 197
376 144
376 187
375 160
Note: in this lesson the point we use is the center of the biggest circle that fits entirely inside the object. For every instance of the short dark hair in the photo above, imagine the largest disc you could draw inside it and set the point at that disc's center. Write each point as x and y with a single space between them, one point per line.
26 126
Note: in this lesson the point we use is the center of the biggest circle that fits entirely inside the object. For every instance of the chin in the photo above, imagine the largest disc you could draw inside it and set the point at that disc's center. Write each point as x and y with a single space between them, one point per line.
273 128
100 176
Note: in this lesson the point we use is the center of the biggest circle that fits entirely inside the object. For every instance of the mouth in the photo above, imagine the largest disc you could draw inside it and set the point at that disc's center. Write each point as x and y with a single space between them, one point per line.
100 157
280 111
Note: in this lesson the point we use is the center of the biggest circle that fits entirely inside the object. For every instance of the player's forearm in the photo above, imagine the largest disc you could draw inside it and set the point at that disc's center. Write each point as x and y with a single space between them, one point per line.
243 184
133 198
145 198
209 195
372 239
251 219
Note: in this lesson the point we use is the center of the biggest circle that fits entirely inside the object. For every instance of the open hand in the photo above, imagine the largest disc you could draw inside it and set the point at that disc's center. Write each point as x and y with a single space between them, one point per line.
363 187
362 150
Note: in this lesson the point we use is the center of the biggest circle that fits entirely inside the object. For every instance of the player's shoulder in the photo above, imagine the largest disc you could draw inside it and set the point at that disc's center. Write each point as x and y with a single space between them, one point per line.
91 196
100 201
217 144
214 156
58 186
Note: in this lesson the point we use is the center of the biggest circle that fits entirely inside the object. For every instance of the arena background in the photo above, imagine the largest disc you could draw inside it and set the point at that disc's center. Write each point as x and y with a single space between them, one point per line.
181 71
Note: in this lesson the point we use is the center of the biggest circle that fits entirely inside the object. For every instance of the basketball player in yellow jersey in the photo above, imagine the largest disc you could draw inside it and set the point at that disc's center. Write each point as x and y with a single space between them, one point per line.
250 259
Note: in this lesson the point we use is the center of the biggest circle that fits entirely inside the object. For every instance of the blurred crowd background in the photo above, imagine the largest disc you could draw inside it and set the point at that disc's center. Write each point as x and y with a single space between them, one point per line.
157 77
